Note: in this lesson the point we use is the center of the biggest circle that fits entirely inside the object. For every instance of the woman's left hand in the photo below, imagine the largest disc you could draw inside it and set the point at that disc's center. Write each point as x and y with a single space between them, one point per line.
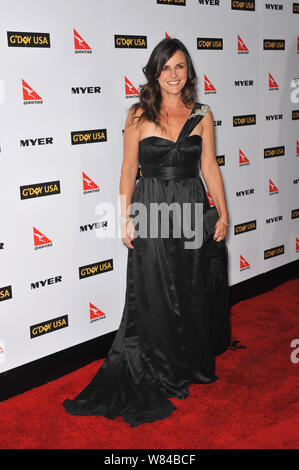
221 230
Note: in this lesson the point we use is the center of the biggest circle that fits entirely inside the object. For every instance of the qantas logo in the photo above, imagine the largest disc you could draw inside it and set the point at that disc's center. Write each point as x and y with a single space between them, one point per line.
89 186
272 83
242 48
40 240
29 95
211 202
95 313
80 44
208 86
243 160
297 244
243 263
272 188
130 90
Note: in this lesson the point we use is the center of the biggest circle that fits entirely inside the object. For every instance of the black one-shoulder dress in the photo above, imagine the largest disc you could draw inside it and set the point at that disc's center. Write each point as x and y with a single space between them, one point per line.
176 317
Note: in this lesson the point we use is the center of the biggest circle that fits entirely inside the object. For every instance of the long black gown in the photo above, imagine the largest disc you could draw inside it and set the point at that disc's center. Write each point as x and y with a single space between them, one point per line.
176 314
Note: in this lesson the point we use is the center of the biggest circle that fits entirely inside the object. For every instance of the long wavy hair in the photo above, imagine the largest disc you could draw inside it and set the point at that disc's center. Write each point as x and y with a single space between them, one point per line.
149 94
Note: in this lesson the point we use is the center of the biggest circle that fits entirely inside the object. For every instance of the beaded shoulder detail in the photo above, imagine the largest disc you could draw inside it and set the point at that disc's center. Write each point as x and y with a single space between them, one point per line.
200 110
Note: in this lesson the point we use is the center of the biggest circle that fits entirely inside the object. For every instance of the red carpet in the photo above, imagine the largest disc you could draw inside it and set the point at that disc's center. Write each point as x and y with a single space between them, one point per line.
253 405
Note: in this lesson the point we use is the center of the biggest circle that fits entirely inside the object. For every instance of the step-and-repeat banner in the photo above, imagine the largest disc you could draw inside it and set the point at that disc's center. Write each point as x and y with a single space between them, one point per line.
70 70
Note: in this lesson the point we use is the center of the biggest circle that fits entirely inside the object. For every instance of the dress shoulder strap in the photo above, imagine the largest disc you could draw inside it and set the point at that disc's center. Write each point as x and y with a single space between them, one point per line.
198 112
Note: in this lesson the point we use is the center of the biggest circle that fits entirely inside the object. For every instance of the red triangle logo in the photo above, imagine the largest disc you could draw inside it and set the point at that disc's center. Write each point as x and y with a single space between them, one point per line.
129 87
40 238
243 263
28 93
79 41
272 187
272 83
208 85
95 312
211 202
167 35
297 147
297 244
241 45
88 183
242 158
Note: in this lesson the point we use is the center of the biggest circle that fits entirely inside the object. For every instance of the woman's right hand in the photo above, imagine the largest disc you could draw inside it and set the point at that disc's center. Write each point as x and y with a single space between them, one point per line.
127 233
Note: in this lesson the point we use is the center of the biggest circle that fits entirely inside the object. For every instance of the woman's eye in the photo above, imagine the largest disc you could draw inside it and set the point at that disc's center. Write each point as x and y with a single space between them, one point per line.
164 68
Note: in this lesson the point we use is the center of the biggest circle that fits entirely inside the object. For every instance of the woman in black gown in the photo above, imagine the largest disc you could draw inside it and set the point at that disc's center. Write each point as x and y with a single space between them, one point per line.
176 314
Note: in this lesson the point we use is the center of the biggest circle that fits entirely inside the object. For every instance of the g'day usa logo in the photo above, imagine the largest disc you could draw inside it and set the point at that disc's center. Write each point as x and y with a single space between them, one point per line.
22 39
130 42
48 326
39 189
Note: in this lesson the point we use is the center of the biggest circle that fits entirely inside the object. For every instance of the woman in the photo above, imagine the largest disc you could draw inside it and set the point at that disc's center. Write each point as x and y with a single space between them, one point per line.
176 314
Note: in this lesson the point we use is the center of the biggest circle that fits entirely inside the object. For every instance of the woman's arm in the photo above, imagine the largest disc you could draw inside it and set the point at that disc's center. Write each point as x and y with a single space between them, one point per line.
128 174
211 173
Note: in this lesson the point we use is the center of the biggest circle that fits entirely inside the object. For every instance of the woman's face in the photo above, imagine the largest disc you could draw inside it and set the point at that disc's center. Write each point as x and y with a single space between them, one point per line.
173 75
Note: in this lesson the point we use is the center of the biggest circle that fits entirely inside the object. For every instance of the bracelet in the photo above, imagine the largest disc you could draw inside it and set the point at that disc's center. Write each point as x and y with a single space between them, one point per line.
123 220
226 223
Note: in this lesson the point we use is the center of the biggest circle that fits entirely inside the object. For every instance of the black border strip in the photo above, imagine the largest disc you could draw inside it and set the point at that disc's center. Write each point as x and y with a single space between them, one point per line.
39 372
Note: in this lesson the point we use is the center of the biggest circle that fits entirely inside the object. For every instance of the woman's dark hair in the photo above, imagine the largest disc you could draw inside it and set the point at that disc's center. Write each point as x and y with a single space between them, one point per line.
150 95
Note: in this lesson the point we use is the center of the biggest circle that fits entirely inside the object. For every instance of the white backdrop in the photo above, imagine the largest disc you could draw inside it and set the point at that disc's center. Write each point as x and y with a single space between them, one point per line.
65 83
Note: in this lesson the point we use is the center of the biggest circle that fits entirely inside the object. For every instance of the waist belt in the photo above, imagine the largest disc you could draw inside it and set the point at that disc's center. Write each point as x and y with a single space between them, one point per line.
170 172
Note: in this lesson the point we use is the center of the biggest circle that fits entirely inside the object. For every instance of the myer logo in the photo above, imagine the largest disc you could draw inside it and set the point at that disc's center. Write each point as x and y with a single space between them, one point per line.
89 137
46 282
86 90
40 189
5 293
248 5
274 44
244 120
93 226
130 42
36 142
209 43
22 39
271 252
48 326
95 268
245 227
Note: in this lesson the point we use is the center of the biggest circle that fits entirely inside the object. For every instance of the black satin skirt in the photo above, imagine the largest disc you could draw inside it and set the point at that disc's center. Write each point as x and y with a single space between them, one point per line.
175 322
